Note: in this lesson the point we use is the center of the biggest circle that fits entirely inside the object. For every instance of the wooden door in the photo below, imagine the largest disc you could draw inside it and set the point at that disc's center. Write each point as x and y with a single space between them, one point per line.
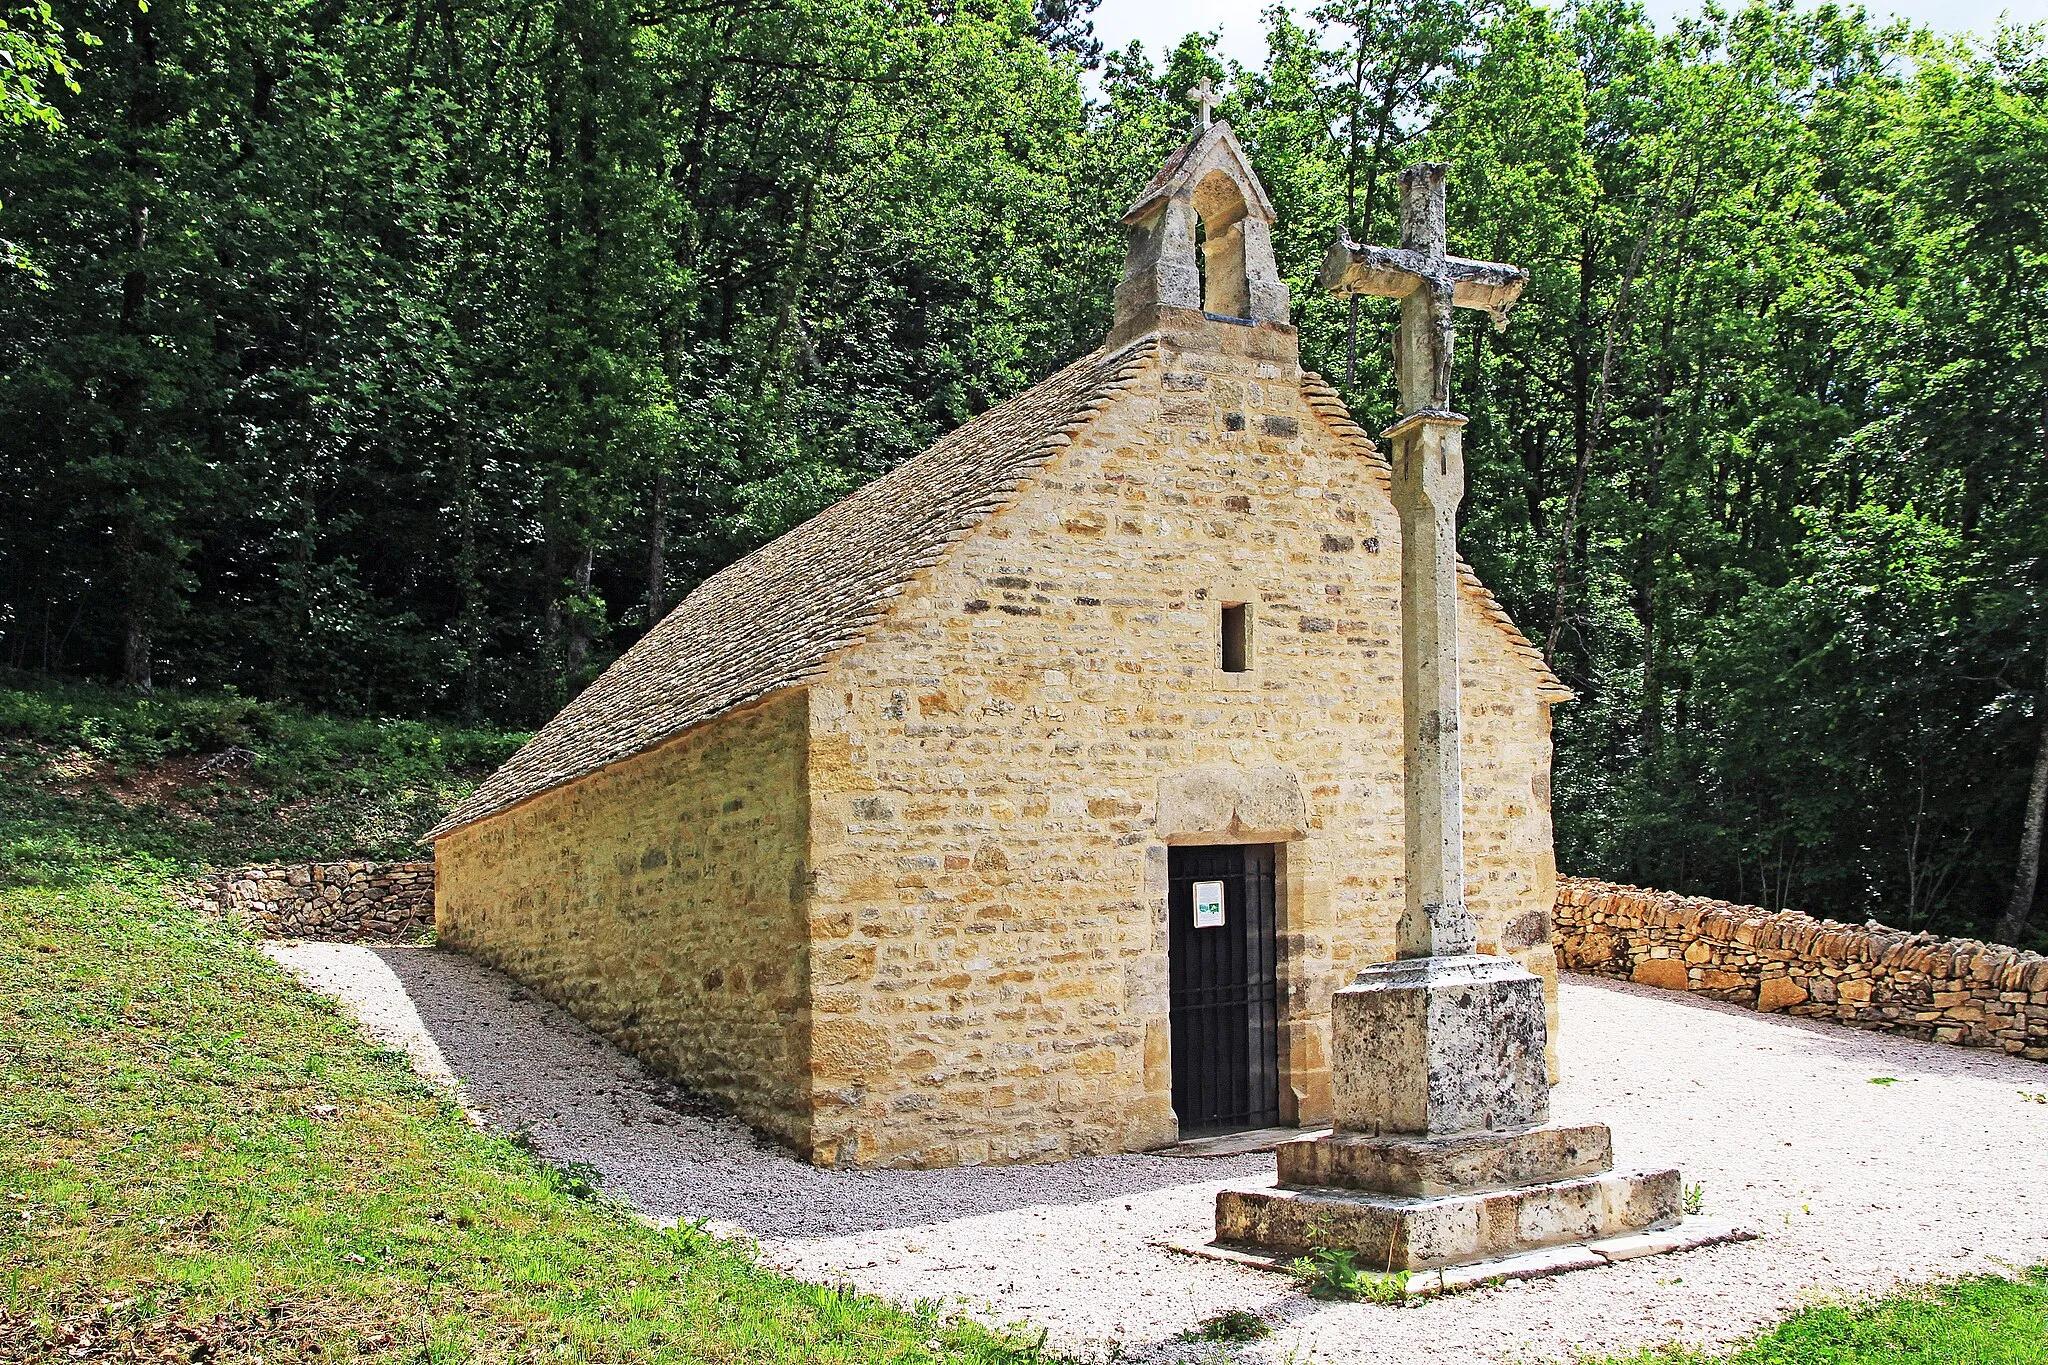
1223 987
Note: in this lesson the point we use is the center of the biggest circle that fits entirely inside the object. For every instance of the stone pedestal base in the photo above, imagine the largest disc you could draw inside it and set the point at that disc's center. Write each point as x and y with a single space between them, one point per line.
1441 1155
1439 1045
1445 1165
1425 1203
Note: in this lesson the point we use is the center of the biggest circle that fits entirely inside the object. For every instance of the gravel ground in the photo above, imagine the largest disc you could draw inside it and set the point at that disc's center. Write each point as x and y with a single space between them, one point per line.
1856 1186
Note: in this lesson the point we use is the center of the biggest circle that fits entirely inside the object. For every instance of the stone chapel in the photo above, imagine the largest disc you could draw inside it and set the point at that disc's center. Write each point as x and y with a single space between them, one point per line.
1034 800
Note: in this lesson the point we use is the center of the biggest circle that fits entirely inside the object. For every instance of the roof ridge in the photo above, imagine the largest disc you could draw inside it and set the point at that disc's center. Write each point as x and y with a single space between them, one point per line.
1330 406
774 618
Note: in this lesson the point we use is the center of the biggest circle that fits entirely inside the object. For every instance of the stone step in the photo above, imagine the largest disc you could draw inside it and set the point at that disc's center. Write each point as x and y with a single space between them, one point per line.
1432 1166
1403 1232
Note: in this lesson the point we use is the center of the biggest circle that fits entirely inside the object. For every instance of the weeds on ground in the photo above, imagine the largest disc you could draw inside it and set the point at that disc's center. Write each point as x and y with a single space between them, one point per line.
1694 1198
1981 1320
1231 1325
1334 1273
93 775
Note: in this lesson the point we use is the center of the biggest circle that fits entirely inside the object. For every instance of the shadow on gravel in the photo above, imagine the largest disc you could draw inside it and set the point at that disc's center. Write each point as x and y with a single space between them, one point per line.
527 1066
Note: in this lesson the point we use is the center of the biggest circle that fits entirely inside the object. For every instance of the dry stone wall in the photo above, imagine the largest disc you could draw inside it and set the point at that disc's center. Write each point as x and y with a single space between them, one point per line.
327 900
1949 990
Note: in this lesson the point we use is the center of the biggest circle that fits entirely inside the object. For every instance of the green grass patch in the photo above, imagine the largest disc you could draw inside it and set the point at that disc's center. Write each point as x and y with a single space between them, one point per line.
1981 1320
93 775
200 1159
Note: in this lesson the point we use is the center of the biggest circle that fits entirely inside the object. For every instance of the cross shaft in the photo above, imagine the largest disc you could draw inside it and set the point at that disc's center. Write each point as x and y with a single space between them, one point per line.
1428 454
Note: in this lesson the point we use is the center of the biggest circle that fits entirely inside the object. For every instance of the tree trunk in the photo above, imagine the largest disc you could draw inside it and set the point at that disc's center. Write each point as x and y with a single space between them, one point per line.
470 614
578 646
657 536
2028 874
551 581
1589 437
135 656
143 115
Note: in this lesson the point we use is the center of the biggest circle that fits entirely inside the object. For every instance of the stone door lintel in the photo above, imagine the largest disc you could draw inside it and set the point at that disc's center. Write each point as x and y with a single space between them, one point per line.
1220 805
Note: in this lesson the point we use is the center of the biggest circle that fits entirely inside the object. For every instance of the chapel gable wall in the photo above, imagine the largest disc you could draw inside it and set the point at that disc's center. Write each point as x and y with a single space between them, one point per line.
996 768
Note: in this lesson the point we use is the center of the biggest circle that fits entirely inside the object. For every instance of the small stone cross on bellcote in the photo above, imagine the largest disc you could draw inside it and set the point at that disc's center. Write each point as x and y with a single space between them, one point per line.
1203 96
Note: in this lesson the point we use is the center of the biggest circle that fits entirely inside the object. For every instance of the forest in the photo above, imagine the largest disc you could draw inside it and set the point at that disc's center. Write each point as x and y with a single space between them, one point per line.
409 358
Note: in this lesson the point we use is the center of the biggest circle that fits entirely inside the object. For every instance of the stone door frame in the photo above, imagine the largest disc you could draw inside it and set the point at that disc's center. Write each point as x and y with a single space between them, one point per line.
1215 806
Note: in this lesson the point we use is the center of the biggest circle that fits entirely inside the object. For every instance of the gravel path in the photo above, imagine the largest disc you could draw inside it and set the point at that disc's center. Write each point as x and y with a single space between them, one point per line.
1856 1186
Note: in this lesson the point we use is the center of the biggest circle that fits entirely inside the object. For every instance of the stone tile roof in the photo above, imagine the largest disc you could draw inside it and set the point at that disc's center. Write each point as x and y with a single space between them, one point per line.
1330 407
775 618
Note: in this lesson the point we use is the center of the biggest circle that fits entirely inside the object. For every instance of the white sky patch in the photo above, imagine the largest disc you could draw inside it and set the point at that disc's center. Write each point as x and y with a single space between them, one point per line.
1159 24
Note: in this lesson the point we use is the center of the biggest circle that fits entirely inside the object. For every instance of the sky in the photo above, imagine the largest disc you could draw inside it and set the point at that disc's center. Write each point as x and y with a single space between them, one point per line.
1160 23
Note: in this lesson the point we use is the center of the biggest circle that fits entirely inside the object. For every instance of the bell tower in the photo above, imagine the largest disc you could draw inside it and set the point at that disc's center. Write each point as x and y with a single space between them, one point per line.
1206 199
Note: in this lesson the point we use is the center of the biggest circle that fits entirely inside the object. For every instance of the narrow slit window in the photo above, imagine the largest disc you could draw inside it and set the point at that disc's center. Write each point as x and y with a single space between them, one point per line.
1237 637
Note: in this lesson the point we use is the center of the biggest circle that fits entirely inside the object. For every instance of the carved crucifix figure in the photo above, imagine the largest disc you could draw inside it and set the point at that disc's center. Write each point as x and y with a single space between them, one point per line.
1429 282
1203 96
1428 451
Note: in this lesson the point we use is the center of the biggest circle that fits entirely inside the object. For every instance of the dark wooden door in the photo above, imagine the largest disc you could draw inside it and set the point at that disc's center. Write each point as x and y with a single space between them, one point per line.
1224 990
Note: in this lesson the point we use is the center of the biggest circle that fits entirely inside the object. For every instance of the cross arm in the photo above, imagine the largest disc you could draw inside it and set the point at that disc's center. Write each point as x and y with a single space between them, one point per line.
1396 272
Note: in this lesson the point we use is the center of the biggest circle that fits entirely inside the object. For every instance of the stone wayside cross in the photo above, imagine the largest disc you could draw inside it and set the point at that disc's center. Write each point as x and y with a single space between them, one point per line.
1441 1154
1429 481
1203 96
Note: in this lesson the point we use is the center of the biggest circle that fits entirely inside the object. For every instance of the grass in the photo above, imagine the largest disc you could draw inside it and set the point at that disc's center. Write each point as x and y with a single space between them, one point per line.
1981 1320
197 1153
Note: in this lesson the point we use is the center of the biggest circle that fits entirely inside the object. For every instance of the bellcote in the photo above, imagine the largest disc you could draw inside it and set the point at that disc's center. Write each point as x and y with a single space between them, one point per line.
1205 198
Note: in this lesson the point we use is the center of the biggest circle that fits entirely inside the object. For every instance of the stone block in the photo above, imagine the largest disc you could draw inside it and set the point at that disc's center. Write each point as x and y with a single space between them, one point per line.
1777 993
1396 1232
1663 972
1439 1046
1232 802
1427 1166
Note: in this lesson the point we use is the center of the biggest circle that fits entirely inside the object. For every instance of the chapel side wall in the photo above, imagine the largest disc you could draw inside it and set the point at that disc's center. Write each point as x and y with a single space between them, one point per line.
661 901
989 941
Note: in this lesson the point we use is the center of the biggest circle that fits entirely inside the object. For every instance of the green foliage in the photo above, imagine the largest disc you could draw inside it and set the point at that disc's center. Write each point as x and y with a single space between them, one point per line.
410 359
91 774
31 53
1982 1320
203 1158
1334 1273
406 359
1234 1325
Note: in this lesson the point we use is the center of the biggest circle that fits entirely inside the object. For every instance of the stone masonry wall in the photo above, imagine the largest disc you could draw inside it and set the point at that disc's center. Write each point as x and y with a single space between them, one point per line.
999 769
327 900
1950 990
660 900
